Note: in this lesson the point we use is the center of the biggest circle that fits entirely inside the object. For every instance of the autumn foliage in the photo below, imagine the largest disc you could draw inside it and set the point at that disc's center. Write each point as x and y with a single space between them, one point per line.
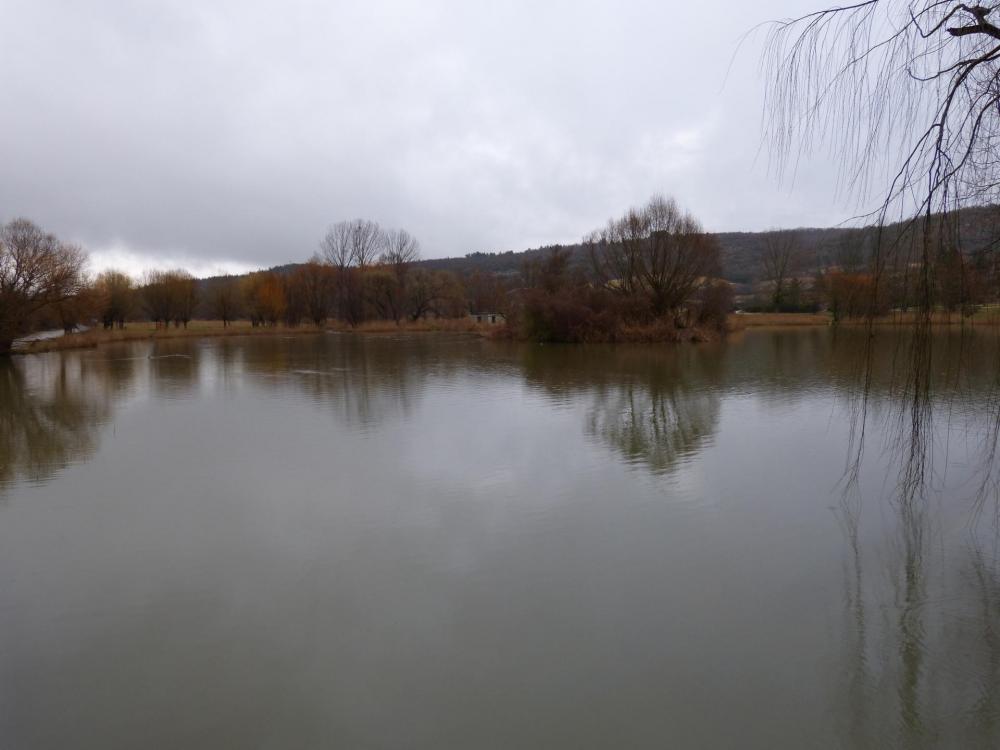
39 275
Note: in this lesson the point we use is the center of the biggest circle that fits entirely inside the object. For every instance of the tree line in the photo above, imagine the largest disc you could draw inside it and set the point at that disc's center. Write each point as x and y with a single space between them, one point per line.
873 271
653 275
362 272
655 265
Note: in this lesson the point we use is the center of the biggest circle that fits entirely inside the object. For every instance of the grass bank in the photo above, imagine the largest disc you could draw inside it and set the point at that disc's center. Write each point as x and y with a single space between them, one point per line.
632 334
213 328
761 320
988 316
445 325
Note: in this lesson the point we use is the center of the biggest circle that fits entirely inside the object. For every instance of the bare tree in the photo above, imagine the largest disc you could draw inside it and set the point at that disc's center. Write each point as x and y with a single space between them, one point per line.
437 293
115 297
264 294
170 296
225 300
157 297
37 271
313 283
366 240
487 292
657 251
336 245
74 311
351 247
184 293
908 94
400 250
352 243
387 288
384 293
781 258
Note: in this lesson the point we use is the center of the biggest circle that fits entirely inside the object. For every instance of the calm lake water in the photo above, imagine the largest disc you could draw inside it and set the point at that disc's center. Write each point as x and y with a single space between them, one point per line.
441 542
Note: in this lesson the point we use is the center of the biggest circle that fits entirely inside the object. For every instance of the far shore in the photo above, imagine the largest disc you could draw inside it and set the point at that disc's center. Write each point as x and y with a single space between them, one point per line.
740 321
144 331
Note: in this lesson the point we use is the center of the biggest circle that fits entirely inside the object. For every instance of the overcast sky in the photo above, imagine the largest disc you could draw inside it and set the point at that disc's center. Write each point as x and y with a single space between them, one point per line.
230 134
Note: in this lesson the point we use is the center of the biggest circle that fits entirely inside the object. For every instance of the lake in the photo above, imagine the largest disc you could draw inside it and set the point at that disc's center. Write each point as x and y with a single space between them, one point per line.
445 542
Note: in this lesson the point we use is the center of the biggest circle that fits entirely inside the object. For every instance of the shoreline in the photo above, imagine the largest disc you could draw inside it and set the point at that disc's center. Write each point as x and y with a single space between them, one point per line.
97 337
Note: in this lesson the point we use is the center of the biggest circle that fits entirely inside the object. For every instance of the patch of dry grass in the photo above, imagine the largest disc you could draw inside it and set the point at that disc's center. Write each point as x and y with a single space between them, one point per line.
446 325
988 316
759 320
985 316
147 331
212 328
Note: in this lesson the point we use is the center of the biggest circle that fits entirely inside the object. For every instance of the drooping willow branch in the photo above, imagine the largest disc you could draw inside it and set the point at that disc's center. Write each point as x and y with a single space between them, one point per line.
907 96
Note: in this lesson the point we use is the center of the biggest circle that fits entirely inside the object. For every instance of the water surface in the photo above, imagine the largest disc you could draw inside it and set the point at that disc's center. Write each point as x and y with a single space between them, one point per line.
434 541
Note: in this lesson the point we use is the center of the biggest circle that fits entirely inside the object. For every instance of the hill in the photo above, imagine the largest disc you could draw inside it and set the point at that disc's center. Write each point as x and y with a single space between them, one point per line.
741 251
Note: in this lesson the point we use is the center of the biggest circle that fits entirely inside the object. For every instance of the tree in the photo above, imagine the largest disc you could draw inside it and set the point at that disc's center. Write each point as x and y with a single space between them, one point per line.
264 293
366 239
183 289
37 271
550 272
451 302
486 292
225 300
350 247
781 257
400 250
385 293
436 293
918 79
658 252
170 296
115 298
157 297
336 245
74 311
909 90
352 243
314 284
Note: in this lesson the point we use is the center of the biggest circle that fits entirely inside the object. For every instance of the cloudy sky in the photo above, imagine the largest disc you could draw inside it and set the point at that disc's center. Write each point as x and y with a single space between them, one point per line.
229 134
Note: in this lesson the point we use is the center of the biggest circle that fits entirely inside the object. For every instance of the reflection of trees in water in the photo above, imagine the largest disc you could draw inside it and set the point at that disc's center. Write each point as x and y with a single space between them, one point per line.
658 405
922 642
921 652
654 406
657 424
175 366
914 377
367 380
911 390
51 409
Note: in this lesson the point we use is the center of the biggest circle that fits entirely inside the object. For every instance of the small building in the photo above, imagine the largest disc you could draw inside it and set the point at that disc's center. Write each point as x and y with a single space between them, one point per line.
489 318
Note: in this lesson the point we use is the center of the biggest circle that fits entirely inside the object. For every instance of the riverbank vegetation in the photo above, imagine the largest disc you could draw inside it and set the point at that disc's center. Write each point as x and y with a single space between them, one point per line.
653 276
145 331
650 275
39 276
905 94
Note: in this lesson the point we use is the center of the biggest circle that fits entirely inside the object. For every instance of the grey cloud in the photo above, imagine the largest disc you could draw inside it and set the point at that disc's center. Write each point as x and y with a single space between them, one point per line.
232 133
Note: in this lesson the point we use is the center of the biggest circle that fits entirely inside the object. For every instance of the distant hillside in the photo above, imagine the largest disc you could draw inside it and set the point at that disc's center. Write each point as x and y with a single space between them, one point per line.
741 251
